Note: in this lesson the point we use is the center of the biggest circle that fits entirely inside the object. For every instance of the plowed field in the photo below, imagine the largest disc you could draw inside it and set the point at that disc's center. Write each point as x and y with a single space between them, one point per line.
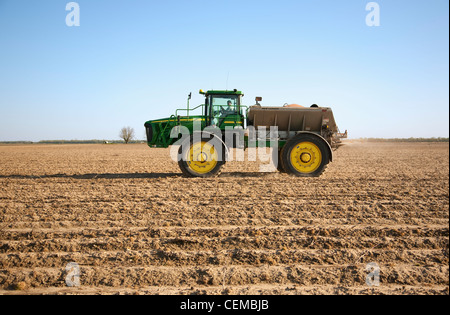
133 224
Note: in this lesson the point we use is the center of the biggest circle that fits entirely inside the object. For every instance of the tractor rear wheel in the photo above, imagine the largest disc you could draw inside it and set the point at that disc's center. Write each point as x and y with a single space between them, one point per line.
305 155
276 159
201 156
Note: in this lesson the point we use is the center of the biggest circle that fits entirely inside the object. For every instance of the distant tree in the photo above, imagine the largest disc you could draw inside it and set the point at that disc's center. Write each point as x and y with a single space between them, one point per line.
126 134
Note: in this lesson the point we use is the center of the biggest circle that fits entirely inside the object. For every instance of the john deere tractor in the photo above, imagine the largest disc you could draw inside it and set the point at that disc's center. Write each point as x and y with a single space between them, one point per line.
302 138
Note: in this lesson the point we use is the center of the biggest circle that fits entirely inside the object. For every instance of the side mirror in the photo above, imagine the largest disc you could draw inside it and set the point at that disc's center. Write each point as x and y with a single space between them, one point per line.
258 99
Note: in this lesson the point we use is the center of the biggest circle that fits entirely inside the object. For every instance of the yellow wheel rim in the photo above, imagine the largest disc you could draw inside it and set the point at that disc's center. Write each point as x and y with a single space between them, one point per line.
202 157
306 157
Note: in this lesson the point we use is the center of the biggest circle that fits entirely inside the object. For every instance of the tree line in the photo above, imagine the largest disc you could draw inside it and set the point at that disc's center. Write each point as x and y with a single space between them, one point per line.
439 139
127 135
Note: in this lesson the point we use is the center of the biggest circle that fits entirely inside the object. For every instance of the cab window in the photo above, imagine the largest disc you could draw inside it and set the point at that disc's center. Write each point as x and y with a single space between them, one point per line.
224 105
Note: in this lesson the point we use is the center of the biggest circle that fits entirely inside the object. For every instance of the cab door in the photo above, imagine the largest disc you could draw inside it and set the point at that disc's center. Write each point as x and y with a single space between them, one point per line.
225 111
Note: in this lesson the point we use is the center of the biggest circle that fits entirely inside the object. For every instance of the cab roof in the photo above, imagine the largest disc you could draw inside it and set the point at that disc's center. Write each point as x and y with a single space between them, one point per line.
223 92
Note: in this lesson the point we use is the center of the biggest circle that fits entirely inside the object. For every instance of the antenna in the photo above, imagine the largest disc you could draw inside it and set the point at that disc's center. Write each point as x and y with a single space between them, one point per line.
228 75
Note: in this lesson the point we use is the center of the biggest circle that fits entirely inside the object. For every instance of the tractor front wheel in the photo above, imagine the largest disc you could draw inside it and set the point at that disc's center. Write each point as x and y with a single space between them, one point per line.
201 156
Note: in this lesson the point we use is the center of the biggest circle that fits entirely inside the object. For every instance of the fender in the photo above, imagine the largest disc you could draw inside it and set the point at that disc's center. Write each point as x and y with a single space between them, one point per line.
186 136
330 151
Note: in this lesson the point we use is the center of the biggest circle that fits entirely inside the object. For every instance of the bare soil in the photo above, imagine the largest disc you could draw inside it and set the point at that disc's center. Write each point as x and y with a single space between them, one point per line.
134 225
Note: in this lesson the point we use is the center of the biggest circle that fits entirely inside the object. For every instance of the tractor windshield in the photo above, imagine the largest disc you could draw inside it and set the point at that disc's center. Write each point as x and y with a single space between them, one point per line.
223 106
225 100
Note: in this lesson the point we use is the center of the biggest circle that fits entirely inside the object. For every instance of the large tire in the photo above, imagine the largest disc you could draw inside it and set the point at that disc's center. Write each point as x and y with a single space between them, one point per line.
201 156
149 133
305 155
276 157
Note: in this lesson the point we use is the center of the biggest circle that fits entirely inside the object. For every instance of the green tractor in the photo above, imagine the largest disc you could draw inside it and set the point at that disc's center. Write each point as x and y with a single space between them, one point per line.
302 138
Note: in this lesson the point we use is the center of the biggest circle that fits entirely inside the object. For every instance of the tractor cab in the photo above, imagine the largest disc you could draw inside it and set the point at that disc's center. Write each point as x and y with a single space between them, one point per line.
223 108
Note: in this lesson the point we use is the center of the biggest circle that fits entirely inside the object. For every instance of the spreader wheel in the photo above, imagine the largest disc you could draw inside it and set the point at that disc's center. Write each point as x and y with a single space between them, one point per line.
305 155
276 160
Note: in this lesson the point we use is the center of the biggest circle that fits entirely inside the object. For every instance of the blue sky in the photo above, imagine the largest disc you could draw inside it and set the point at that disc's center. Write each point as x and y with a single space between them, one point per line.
132 61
